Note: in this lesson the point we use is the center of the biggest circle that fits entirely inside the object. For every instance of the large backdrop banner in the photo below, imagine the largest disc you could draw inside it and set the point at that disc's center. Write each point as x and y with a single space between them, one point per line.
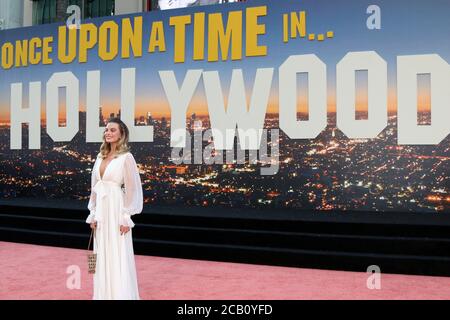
310 105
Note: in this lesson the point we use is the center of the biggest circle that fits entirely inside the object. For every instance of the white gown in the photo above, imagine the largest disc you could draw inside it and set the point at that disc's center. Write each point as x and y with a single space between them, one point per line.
115 275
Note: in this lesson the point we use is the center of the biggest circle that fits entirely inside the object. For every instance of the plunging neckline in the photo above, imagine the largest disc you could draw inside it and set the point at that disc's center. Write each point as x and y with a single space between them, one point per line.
106 168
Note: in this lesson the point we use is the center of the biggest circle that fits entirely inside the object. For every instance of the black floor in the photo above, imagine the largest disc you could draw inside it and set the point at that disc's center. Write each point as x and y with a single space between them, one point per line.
311 241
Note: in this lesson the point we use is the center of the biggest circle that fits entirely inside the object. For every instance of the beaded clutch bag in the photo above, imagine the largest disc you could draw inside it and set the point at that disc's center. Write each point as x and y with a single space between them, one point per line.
92 257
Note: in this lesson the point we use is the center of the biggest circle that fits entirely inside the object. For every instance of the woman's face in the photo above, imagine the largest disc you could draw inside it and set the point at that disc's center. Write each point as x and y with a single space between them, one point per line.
112 132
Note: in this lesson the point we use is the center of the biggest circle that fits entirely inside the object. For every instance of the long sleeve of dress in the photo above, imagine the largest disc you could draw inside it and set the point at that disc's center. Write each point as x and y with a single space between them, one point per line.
133 197
93 197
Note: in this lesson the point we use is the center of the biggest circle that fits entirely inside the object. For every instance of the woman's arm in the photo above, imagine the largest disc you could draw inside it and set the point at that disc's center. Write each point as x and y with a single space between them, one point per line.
93 197
133 197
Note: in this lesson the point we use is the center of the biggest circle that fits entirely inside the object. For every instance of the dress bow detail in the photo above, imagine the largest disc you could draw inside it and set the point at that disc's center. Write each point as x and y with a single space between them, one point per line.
101 189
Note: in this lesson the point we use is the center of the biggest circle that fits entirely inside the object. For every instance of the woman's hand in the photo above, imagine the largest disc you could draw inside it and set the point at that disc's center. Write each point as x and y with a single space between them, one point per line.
94 225
124 229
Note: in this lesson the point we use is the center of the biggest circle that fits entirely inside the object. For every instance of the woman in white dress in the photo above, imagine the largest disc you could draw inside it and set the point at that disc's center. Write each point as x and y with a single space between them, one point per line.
110 214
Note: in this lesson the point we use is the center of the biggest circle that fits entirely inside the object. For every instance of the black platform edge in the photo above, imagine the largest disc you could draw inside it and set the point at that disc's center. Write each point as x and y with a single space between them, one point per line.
405 248
349 216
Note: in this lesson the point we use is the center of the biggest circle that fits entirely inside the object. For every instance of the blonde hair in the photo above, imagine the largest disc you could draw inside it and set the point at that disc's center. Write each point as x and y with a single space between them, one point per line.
122 144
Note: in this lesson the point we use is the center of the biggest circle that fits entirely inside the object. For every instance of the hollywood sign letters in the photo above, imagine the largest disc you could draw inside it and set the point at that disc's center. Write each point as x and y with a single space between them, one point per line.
249 119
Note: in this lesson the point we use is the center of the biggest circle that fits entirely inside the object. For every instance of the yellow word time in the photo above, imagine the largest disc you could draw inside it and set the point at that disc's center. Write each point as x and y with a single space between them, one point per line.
74 44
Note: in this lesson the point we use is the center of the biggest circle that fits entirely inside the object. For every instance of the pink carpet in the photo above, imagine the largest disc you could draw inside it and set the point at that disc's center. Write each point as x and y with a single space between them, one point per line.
40 272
